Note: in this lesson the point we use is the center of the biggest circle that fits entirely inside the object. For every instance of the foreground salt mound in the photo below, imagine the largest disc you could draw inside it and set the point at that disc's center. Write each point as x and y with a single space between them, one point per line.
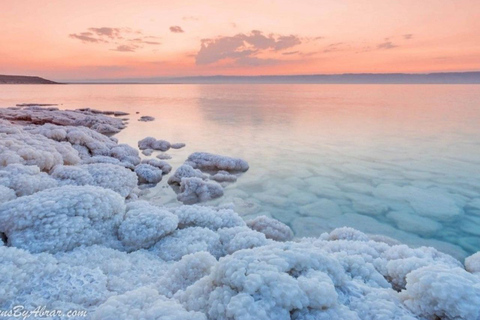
40 279
25 180
39 116
144 303
144 225
61 219
89 144
440 292
330 279
109 176
19 146
472 263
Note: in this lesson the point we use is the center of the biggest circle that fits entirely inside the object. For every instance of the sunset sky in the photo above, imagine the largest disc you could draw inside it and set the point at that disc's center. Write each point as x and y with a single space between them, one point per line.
96 39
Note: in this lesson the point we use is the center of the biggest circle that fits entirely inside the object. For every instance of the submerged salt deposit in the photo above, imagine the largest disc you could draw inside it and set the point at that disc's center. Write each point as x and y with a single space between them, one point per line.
74 235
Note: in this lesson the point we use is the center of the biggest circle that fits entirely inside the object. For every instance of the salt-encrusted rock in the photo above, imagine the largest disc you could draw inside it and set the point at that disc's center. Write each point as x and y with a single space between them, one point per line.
223 176
186 241
89 144
63 218
193 190
212 162
120 113
143 303
472 263
25 180
273 229
6 194
19 146
164 156
177 145
186 171
162 165
239 238
152 143
148 174
439 292
123 271
144 225
187 271
207 217
146 118
105 175
38 279
40 116
147 152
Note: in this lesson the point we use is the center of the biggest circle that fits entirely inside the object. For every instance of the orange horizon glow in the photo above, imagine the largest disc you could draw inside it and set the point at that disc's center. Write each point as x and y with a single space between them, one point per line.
75 40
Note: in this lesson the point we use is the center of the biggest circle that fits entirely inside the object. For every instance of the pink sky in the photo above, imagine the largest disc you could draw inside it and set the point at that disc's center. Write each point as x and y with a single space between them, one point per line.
95 39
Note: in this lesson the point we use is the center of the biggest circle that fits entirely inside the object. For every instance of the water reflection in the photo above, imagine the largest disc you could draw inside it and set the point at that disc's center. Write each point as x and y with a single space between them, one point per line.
399 160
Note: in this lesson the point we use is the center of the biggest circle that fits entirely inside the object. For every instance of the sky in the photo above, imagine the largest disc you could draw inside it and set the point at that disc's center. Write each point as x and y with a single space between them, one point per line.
97 39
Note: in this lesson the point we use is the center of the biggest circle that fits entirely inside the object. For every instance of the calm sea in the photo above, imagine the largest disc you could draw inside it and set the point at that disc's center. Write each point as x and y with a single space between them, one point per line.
397 160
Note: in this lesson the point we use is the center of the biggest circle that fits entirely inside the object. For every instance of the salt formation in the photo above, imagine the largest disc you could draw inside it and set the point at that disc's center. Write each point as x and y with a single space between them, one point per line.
177 145
212 162
192 177
109 176
148 152
162 165
18 146
74 237
164 156
60 219
89 143
38 116
273 229
144 225
154 144
193 190
146 118
148 174
25 180
185 171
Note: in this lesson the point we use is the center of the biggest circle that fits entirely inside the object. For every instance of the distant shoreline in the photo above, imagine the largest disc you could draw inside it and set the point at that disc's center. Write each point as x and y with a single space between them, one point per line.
348 78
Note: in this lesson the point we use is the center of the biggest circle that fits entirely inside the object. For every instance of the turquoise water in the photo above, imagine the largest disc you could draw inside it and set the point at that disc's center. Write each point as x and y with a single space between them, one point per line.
397 160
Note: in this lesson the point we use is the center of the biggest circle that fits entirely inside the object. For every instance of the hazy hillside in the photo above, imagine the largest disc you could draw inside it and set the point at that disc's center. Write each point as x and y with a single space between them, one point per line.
352 78
4 79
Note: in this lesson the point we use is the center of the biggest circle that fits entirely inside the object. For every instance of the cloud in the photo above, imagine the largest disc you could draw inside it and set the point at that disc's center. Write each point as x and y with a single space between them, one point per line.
242 48
112 33
407 36
125 39
86 37
332 47
386 45
176 29
289 53
125 48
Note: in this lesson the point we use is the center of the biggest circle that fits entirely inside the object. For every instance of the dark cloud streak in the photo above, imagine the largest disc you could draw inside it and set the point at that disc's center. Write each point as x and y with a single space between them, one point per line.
176 29
126 39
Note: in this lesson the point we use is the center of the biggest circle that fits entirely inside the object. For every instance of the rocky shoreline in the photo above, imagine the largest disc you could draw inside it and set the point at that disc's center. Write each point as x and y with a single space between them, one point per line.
75 235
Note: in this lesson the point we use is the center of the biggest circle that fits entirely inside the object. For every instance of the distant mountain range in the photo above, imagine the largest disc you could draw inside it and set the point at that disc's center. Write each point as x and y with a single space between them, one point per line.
346 78
4 79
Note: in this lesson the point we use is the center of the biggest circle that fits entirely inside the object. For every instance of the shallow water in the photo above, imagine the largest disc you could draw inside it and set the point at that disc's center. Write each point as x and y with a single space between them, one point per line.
397 160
